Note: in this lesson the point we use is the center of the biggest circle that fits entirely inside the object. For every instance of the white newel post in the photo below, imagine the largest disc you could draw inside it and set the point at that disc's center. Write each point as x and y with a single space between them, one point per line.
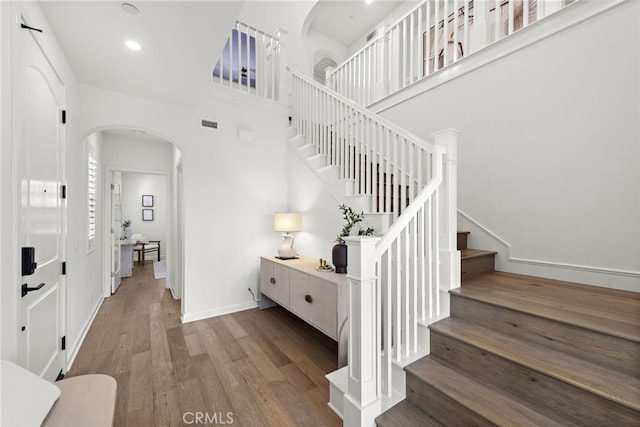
479 34
449 254
382 85
362 401
283 92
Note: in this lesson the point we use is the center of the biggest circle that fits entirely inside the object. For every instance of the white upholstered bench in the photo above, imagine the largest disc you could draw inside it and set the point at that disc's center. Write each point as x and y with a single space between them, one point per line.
28 400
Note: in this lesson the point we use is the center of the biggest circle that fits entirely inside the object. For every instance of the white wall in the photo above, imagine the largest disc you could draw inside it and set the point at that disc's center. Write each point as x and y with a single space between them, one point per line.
232 185
549 159
321 218
134 185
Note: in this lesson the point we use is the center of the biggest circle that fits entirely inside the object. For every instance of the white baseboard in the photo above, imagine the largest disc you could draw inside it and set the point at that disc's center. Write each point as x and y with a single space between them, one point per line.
73 351
192 317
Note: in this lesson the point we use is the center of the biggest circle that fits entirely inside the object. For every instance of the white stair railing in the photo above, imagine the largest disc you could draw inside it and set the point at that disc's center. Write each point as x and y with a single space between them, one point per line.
381 160
424 42
397 283
251 61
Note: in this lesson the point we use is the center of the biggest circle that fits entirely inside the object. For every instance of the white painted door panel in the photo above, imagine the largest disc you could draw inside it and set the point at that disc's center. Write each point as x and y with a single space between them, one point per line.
39 102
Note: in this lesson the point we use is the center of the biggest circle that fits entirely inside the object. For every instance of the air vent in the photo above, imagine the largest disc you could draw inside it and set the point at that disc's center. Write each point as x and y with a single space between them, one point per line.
371 35
209 124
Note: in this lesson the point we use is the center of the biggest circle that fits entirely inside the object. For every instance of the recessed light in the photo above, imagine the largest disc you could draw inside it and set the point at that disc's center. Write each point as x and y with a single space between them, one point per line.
368 1
129 8
133 45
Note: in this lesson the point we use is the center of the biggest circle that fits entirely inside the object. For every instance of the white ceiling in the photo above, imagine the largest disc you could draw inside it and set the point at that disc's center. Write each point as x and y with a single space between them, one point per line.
180 41
348 20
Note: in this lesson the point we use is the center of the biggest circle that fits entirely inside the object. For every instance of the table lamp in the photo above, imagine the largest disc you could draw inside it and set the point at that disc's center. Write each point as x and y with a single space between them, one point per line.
287 222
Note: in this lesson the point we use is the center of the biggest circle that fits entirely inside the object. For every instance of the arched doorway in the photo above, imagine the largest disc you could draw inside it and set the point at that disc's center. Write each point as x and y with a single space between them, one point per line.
149 164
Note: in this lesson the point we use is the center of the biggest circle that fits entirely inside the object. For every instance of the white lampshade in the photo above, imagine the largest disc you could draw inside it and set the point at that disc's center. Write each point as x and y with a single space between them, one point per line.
286 221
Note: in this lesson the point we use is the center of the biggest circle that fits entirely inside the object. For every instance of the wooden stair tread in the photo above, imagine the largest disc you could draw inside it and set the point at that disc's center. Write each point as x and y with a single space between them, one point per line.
608 311
495 407
406 414
475 253
612 385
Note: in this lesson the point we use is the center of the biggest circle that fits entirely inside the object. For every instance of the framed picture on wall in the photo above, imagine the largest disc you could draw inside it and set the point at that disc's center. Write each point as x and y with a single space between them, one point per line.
147 214
147 201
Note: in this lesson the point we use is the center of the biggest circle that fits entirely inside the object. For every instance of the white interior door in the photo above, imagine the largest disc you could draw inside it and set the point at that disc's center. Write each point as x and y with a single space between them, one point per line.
116 228
39 103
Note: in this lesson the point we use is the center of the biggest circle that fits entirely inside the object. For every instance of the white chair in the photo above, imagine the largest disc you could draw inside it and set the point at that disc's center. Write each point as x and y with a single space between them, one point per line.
144 246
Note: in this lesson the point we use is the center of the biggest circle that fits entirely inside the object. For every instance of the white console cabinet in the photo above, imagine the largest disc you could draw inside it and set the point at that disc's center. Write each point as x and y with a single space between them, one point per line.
319 298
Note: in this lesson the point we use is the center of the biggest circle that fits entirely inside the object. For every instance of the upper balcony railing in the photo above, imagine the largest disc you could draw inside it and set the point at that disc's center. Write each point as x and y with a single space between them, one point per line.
250 62
434 35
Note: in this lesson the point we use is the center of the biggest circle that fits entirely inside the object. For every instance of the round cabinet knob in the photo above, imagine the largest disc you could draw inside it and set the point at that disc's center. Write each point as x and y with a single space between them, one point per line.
273 280
308 298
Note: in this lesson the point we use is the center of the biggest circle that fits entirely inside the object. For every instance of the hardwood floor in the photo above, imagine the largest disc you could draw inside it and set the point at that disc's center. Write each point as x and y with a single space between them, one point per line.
256 367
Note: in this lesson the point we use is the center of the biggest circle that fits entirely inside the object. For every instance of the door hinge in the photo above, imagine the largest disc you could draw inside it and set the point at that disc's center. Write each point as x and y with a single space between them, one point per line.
60 376
113 275
63 343
113 187
63 192
64 117
64 267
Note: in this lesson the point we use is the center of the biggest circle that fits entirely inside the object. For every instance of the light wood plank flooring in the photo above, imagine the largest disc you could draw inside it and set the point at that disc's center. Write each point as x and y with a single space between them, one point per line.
256 367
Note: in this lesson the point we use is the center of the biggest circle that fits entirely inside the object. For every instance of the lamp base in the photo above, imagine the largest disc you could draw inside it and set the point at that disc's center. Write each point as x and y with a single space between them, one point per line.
286 249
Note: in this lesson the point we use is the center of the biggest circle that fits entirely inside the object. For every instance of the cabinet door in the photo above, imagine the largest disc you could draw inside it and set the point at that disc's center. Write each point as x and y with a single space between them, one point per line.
267 280
298 289
281 276
323 310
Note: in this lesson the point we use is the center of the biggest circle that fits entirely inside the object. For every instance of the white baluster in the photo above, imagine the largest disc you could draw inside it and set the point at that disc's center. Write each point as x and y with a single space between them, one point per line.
382 88
551 6
479 36
414 285
387 332
497 19
445 33
361 402
412 52
456 25
428 50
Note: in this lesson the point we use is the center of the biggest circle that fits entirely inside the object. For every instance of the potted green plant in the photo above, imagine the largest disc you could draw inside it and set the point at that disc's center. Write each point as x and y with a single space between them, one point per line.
339 251
126 227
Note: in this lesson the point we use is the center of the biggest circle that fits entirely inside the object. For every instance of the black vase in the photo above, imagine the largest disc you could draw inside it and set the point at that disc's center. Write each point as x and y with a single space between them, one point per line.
339 258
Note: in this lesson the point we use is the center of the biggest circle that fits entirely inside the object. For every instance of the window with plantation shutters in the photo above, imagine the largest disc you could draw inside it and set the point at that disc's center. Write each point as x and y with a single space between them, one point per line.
92 178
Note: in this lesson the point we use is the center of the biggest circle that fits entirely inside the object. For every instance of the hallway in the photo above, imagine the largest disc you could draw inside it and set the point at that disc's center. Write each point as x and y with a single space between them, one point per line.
250 368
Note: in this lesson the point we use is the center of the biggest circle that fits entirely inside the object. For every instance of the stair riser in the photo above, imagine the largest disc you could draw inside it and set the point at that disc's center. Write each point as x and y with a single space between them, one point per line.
554 397
606 350
462 240
473 266
440 406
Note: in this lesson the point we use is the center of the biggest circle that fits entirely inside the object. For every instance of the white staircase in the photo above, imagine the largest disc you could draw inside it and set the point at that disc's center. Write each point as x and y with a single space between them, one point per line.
398 281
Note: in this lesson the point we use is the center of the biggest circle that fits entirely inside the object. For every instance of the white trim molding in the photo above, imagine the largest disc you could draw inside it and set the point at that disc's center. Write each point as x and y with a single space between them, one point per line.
73 351
594 275
233 308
